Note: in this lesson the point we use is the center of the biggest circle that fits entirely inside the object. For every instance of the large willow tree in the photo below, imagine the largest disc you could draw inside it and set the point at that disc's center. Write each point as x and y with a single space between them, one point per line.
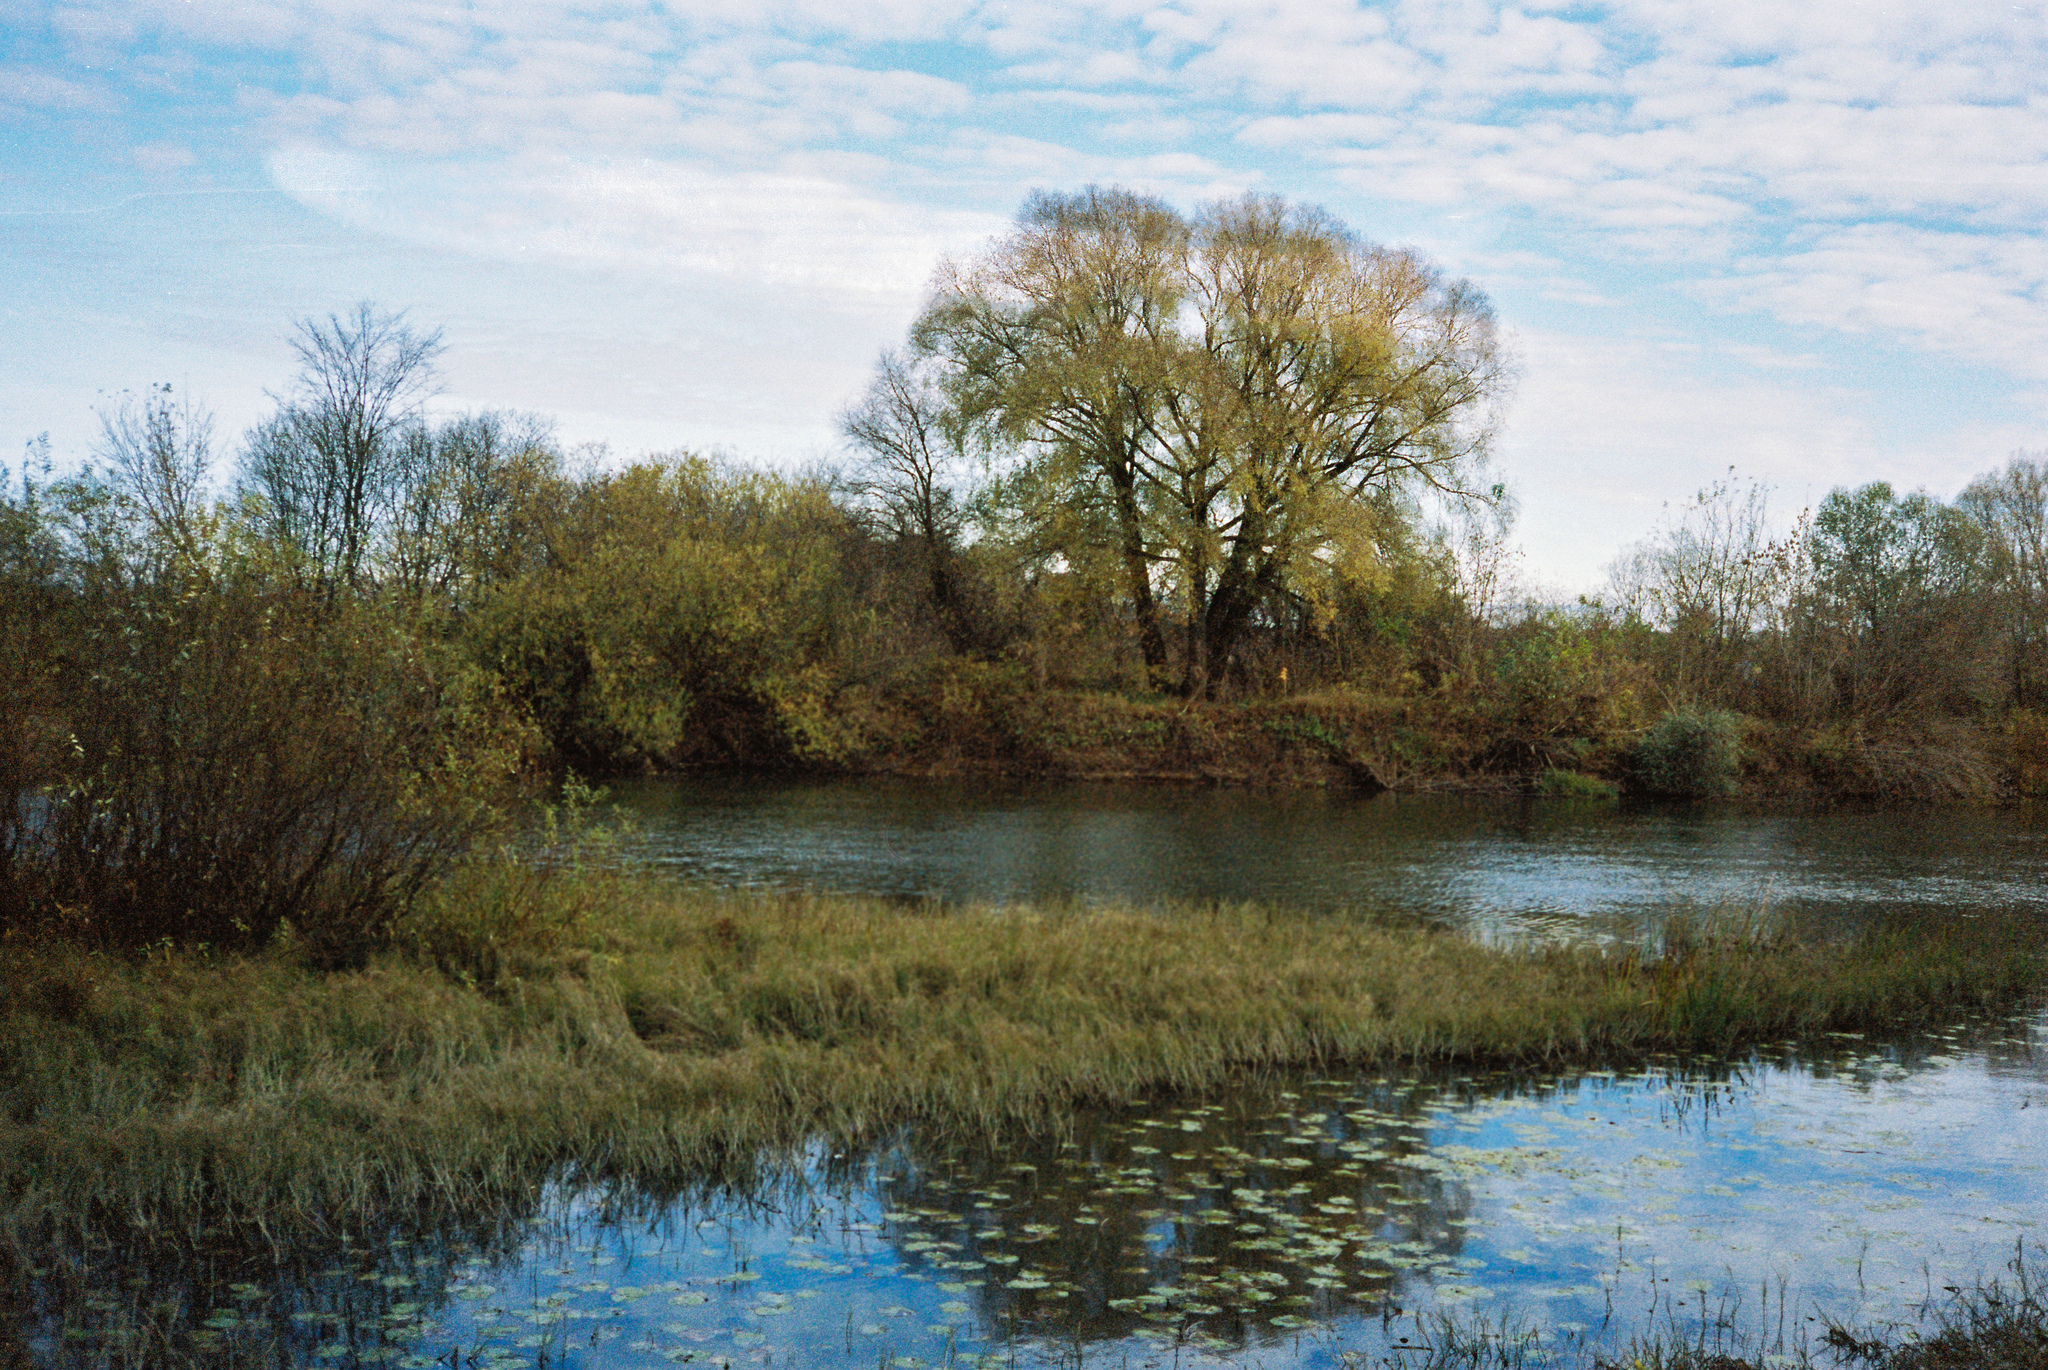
1239 408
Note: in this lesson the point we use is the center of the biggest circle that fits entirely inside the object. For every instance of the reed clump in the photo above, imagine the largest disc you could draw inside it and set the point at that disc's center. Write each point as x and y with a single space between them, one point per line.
1995 1324
676 1033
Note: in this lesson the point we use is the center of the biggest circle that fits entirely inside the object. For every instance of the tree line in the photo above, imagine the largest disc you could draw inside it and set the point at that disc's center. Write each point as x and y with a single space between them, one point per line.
1194 462
1875 606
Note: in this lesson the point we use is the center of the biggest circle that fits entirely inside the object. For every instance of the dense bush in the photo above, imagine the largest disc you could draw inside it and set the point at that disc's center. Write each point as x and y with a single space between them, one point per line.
202 749
687 613
1564 690
1561 784
1691 754
235 758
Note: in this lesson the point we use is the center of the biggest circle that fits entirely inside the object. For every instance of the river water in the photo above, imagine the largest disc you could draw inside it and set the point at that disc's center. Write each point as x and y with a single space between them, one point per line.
1494 868
1297 1220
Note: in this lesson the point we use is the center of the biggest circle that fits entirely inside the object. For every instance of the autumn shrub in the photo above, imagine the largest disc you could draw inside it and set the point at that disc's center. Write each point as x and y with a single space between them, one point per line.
1925 759
508 907
688 613
238 756
962 710
2026 739
1562 689
30 736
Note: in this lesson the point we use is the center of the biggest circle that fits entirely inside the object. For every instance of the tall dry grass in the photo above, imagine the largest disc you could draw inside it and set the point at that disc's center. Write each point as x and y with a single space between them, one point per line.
688 1033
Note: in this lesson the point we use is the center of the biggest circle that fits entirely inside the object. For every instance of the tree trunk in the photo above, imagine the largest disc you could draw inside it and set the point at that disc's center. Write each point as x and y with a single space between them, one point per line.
1138 574
1246 575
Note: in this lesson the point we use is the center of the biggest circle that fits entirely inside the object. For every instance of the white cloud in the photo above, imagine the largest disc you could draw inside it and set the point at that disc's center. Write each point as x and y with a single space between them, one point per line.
24 88
161 156
779 229
1977 296
1020 164
1148 131
1325 132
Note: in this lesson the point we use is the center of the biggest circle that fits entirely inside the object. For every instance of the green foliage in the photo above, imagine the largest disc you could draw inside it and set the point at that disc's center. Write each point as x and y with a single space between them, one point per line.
1691 754
976 711
1899 592
688 613
1563 685
235 759
1880 555
1306 728
1560 784
508 908
470 502
2010 506
1232 409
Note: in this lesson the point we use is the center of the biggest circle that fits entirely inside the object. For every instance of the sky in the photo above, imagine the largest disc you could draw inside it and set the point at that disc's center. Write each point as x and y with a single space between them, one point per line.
1806 242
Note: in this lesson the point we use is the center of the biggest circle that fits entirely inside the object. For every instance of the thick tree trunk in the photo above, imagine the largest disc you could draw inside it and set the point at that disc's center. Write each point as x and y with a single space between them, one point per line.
1243 579
1229 610
1138 575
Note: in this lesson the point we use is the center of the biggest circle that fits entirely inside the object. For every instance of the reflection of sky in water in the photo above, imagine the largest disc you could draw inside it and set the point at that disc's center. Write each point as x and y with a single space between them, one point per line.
1282 1223
1495 866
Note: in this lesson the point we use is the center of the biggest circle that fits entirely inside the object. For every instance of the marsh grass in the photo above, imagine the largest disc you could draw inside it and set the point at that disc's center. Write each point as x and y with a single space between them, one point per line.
1996 1324
1999 1324
671 1034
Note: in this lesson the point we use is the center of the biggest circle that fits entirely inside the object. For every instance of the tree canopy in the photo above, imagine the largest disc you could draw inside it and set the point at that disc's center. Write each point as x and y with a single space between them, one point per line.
1239 407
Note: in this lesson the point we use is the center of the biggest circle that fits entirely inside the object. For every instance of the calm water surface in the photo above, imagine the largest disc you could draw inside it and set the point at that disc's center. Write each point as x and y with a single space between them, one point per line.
1494 867
1295 1221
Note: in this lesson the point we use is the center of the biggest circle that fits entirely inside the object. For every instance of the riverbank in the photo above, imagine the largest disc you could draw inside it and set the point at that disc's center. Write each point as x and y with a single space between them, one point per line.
684 1033
991 724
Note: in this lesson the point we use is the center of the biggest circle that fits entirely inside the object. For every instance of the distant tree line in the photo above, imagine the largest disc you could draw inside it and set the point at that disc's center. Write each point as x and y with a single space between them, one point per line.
1875 605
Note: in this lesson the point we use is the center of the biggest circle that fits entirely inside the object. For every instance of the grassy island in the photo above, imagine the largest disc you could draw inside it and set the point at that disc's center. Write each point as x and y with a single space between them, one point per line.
681 1031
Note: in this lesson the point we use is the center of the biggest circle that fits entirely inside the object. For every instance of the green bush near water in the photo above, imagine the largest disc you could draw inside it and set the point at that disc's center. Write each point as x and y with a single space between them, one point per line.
1691 754
1557 784
224 758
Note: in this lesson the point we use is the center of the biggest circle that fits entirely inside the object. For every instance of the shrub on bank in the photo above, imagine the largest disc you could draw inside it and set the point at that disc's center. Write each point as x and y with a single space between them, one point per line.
1691 754
240 756
1930 761
1557 784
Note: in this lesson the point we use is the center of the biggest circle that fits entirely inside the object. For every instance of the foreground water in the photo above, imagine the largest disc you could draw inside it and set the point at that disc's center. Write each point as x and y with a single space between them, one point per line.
1495 868
1303 1221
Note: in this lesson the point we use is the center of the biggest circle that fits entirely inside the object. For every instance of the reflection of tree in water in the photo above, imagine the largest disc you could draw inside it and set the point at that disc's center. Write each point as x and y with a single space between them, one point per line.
233 1296
1256 1212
